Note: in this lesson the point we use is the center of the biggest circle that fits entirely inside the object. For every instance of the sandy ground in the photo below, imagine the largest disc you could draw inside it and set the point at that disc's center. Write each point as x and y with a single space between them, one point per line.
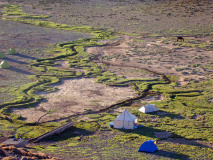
73 97
177 57
123 56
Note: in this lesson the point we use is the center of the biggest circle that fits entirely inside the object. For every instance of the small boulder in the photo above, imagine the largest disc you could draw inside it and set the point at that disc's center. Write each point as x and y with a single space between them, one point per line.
28 158
4 64
3 153
9 158
41 155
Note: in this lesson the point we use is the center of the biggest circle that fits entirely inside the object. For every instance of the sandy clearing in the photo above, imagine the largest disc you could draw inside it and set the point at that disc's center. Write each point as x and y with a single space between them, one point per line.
76 95
73 97
128 59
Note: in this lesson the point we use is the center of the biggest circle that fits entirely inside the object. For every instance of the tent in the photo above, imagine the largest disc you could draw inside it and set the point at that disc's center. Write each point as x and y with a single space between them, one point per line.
2 55
125 120
4 64
11 51
148 146
148 108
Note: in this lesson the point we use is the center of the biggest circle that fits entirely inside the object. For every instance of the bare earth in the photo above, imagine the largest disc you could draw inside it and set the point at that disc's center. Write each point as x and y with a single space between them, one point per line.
73 97
77 95
132 57
178 57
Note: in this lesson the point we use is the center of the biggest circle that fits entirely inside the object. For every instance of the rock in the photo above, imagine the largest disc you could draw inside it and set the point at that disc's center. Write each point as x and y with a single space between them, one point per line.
9 158
3 153
26 155
41 155
54 158
28 158
24 152
4 145
8 148
17 151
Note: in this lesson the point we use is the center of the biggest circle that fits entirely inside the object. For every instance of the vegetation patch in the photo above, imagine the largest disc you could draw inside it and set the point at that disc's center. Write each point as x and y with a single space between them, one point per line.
185 112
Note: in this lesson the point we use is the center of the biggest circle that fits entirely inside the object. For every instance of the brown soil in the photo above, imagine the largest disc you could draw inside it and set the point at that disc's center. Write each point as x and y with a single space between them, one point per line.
123 56
75 96
157 63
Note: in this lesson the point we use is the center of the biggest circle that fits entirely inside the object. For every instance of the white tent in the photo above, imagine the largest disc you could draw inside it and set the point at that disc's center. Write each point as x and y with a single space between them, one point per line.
148 108
11 51
4 64
125 120
2 55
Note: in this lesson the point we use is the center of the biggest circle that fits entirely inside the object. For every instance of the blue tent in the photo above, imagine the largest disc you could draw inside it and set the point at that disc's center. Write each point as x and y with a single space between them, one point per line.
148 146
111 124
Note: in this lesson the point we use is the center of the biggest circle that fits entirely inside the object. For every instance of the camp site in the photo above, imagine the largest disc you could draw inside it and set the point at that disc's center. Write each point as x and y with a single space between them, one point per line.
106 79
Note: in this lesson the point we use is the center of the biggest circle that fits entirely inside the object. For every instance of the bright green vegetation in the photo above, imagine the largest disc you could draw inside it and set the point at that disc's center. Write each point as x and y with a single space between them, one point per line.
186 111
101 142
189 110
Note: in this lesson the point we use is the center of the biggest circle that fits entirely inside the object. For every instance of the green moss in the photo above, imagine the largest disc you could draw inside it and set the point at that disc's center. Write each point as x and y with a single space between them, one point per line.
94 116
72 144
89 126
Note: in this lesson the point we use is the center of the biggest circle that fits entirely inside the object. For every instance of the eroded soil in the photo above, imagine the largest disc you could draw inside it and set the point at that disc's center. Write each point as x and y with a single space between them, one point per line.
123 57
73 97
129 58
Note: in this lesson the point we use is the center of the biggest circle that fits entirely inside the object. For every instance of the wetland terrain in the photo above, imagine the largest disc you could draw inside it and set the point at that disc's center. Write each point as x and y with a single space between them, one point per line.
88 60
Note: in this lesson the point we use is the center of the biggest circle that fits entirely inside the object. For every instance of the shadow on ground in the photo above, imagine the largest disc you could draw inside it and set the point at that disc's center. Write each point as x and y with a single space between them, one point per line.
11 68
190 142
15 61
166 114
172 155
142 131
24 56
67 134
150 132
